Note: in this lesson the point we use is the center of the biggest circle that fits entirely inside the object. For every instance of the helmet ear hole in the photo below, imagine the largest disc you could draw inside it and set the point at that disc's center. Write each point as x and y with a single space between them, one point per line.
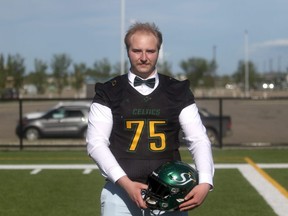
169 184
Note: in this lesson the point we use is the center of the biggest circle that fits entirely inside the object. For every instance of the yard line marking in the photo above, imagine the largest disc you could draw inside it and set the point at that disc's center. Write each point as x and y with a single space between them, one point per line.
268 177
87 171
36 168
94 167
228 166
35 171
48 166
279 165
273 197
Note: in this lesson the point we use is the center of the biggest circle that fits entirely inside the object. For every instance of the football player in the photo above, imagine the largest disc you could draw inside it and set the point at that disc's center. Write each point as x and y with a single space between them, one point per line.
134 125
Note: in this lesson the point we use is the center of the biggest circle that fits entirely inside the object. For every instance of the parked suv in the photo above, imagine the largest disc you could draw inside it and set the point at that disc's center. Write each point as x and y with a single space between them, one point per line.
212 125
66 119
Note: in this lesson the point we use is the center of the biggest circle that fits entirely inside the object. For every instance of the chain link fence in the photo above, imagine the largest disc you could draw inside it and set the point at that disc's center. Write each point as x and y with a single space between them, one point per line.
255 122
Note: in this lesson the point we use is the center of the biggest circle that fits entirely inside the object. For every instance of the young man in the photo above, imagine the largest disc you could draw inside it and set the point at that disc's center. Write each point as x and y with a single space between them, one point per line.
133 128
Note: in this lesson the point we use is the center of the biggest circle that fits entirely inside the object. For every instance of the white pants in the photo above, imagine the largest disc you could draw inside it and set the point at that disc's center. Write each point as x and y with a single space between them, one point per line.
116 202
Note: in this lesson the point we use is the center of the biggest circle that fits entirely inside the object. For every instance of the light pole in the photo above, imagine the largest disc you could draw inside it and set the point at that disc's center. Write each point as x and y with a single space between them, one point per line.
122 47
214 59
246 64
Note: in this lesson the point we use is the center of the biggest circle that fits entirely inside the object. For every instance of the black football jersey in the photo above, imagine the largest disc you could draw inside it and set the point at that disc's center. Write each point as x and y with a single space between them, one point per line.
145 130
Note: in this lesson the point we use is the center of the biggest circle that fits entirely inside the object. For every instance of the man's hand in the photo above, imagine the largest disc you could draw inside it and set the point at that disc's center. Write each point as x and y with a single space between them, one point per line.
195 197
134 190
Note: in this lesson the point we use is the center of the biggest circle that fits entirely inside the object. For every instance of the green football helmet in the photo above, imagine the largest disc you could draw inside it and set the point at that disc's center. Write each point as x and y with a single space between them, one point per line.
169 184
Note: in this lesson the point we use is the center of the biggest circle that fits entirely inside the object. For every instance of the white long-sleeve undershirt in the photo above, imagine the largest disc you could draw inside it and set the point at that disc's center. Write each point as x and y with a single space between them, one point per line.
100 127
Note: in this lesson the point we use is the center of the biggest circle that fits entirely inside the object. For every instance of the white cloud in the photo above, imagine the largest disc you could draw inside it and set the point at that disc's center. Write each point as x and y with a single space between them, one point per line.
272 43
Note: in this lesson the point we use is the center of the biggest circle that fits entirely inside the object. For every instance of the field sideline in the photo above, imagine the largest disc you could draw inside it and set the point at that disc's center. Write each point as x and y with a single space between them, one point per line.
268 179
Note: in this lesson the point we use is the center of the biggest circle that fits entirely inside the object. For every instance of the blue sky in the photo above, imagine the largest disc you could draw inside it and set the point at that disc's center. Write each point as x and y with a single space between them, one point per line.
89 30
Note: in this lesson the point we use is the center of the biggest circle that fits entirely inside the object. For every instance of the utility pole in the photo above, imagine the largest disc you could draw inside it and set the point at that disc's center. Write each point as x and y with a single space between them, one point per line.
122 47
246 51
214 58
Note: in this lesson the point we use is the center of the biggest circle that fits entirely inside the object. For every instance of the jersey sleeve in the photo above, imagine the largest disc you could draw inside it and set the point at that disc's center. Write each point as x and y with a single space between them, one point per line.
106 93
101 96
180 91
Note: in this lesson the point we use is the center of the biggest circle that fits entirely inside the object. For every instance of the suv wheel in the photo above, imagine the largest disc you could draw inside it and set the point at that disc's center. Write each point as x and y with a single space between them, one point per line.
212 135
32 134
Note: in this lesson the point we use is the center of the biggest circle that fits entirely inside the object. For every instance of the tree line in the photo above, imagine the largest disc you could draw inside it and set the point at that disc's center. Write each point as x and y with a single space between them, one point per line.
62 72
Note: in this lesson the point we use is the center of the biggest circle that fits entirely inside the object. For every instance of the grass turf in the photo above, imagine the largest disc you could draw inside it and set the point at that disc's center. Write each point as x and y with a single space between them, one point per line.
69 192
80 157
55 192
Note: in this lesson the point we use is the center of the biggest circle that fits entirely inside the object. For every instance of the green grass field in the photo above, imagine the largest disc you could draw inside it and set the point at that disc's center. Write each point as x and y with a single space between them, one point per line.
72 193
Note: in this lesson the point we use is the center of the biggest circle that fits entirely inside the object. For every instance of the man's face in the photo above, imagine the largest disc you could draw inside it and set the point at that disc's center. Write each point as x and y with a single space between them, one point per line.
143 54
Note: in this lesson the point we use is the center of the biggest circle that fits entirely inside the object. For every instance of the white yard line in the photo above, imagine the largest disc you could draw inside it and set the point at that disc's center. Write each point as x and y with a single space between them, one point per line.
273 197
36 168
48 166
279 165
87 171
35 171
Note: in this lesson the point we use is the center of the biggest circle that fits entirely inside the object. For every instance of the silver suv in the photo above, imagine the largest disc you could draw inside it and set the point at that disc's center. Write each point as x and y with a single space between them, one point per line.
66 119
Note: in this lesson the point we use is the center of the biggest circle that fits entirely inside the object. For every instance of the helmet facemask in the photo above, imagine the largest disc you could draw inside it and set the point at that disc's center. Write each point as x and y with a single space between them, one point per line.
157 195
169 184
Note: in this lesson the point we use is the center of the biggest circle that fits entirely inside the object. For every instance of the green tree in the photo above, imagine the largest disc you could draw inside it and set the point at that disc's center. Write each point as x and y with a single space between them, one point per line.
165 68
38 77
60 64
117 69
101 70
199 71
3 74
78 76
239 75
15 68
